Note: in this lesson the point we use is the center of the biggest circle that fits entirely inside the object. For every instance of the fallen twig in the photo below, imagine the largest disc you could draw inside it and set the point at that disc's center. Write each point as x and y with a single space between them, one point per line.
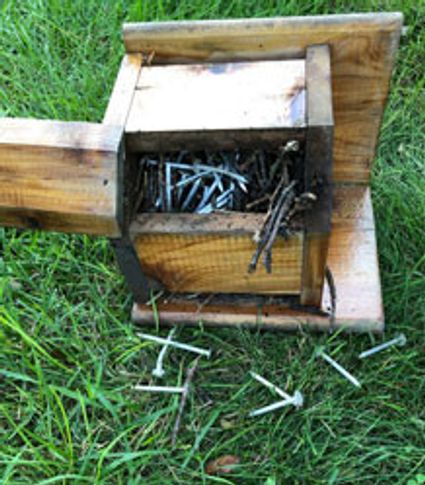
186 386
272 219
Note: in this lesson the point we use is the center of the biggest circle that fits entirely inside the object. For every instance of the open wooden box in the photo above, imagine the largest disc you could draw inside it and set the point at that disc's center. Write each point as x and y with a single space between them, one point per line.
322 81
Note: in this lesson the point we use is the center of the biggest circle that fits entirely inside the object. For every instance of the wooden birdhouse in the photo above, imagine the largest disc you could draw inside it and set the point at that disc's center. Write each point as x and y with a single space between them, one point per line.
231 170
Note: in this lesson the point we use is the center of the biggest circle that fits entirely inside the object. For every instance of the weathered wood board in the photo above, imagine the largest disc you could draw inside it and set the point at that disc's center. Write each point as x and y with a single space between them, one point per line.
223 96
211 253
59 176
352 258
116 114
363 48
318 165
224 105
124 88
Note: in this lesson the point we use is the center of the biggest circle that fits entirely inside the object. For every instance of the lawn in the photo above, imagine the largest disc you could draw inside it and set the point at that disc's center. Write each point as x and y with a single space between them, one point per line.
69 352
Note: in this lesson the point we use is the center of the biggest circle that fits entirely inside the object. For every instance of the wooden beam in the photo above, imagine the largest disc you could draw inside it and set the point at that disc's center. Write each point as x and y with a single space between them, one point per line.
59 176
317 172
352 258
363 50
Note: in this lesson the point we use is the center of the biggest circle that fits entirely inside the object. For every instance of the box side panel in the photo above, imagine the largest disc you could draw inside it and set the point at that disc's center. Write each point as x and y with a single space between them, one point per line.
218 263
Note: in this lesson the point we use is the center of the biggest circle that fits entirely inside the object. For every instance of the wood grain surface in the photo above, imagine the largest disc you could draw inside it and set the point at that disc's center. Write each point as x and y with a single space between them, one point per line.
213 255
123 92
363 49
352 258
223 96
59 176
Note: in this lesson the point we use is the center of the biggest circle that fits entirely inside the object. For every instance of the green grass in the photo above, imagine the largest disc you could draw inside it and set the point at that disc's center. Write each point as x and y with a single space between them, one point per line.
69 354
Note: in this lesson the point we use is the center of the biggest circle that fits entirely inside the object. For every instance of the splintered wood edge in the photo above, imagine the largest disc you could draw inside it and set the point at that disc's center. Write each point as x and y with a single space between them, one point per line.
363 49
352 258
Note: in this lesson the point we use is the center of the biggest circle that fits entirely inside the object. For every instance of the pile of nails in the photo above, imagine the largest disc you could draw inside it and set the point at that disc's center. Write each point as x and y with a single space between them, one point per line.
204 182
188 182
262 181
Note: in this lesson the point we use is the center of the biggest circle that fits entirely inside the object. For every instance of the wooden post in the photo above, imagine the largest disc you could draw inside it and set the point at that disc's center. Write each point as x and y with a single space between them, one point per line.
317 172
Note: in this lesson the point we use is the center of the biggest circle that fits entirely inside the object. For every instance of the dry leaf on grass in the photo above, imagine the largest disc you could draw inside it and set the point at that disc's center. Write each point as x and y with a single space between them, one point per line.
223 464
227 424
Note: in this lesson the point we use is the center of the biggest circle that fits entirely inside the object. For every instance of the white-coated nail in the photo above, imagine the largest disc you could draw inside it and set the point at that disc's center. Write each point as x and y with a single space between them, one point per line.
296 400
400 340
268 384
270 408
177 345
340 369
168 389
158 371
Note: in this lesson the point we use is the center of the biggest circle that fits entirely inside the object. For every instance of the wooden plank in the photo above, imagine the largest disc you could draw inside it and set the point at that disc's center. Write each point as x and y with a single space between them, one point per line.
353 262
317 172
223 96
116 114
363 49
122 94
211 254
59 176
